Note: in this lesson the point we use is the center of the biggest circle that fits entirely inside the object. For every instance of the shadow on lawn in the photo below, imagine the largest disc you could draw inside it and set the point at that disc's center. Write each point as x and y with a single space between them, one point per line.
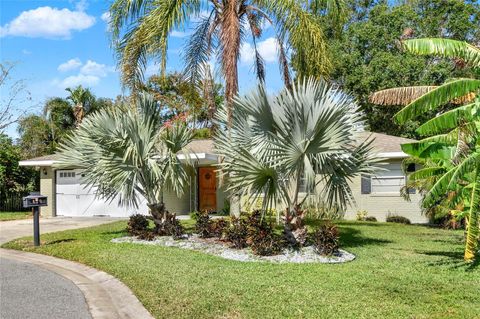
351 237
452 259
60 241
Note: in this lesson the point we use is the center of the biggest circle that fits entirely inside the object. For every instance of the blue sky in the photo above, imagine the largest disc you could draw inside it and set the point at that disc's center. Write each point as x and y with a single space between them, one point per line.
59 44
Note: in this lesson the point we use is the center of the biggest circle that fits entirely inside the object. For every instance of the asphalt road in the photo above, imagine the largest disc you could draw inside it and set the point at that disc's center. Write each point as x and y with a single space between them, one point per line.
28 291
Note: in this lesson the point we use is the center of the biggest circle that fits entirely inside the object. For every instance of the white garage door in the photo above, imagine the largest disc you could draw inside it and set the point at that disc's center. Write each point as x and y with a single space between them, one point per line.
75 199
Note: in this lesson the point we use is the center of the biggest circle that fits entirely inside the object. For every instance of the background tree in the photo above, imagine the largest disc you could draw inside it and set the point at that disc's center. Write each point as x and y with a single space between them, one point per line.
83 102
368 55
41 134
14 180
176 96
13 97
141 30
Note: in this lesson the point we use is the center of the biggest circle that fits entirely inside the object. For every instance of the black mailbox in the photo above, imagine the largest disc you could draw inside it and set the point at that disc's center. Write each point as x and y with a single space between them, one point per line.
34 200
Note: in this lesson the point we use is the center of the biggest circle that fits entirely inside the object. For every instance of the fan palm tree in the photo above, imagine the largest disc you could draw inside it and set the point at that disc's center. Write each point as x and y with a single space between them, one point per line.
128 154
82 100
454 135
141 29
308 133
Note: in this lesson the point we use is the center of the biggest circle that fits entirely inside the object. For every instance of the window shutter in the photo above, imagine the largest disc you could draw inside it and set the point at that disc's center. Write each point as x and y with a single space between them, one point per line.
366 184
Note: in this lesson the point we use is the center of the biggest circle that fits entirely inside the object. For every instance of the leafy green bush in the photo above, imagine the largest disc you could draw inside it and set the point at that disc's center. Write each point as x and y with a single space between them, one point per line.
236 232
326 240
398 219
137 224
202 133
361 215
260 236
370 219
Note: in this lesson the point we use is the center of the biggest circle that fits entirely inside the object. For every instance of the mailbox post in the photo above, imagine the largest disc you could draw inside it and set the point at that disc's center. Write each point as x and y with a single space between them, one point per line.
34 201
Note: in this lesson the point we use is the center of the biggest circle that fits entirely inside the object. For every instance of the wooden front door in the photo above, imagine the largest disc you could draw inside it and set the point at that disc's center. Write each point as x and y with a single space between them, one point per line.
207 189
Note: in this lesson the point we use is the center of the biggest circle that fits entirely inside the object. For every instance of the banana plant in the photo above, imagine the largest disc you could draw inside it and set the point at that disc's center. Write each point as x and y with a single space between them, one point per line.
452 140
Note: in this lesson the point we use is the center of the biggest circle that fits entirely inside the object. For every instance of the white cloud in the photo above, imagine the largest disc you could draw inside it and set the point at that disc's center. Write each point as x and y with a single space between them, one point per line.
268 49
80 79
81 5
106 17
71 64
26 52
47 22
96 69
89 74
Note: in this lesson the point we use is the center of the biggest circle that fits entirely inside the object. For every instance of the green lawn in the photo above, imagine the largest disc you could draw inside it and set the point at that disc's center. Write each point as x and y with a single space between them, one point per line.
14 215
400 272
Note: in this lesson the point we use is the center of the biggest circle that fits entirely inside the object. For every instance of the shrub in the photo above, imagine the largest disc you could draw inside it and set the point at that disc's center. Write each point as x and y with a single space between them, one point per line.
295 230
398 219
370 219
260 236
137 224
146 235
236 232
217 227
362 215
171 226
326 240
202 224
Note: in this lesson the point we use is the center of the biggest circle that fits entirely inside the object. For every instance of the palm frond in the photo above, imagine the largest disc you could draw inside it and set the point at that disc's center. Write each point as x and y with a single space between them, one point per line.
437 97
199 48
400 95
446 48
451 119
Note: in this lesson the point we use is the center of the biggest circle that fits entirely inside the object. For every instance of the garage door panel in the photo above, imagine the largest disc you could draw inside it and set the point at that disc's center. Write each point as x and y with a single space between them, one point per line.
74 198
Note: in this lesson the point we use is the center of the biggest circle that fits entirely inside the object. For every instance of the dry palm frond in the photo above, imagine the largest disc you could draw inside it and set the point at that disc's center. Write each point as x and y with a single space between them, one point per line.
406 95
400 95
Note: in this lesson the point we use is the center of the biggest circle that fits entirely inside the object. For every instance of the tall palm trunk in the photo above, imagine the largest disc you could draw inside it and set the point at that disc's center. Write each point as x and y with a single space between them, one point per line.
230 43
79 113
473 231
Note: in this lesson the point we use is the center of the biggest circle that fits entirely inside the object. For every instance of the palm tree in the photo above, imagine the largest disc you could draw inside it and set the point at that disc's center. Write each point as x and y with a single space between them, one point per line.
307 134
141 29
82 99
127 154
454 135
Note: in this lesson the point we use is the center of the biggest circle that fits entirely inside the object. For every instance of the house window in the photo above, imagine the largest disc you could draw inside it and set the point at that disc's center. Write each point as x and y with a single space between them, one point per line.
389 181
67 174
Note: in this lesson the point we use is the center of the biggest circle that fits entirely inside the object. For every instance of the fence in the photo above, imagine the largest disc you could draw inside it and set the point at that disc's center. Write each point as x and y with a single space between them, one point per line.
11 202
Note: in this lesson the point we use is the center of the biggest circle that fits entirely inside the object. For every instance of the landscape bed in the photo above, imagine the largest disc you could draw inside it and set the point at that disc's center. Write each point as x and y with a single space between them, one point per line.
401 271
215 247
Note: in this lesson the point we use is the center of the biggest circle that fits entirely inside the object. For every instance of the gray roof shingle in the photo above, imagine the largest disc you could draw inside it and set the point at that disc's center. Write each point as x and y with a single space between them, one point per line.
383 143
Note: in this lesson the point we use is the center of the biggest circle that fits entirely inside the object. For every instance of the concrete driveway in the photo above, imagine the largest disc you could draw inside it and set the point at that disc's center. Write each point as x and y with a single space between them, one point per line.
39 286
9 230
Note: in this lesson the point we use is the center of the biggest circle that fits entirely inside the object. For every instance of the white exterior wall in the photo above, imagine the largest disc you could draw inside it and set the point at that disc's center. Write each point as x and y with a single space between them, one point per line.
378 205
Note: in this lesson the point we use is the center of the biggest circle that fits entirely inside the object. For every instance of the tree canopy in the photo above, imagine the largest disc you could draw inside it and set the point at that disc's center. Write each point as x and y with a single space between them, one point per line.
368 55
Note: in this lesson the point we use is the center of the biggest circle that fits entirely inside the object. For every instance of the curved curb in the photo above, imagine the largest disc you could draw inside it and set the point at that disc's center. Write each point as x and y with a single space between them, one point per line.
106 296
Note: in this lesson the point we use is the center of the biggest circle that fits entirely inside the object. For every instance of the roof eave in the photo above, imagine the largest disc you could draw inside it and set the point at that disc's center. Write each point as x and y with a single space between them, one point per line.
393 155
41 163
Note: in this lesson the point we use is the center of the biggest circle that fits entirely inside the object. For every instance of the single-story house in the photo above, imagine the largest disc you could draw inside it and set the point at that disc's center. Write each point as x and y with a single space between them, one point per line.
378 195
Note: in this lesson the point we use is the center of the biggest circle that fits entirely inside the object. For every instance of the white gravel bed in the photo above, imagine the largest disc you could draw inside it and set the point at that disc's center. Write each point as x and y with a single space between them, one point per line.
214 247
